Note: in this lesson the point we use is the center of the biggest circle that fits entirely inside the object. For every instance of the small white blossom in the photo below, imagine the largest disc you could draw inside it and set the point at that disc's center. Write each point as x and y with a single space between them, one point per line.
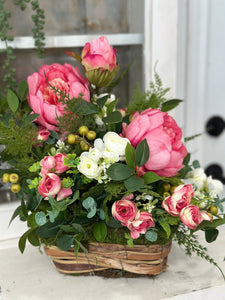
115 144
213 186
197 177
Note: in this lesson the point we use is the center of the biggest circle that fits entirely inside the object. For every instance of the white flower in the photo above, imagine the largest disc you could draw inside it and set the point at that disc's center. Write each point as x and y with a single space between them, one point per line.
197 177
88 166
98 143
116 144
213 186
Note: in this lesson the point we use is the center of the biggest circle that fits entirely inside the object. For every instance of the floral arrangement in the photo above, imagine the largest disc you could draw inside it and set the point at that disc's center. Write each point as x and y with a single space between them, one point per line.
86 171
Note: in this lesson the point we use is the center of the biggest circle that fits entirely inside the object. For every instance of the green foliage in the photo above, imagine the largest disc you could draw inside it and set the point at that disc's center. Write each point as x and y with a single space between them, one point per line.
100 231
192 246
154 97
38 18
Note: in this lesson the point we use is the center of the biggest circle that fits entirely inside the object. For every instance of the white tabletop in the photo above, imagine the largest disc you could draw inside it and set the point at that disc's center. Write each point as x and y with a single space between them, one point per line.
32 276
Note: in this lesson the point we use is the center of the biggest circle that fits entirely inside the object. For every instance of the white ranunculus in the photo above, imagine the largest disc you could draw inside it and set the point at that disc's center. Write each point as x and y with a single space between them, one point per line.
199 178
115 143
110 157
213 186
88 166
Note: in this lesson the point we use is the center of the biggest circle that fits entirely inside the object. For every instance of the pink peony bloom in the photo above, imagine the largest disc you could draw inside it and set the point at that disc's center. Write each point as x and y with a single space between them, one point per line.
142 221
44 101
124 210
163 136
63 193
98 54
192 217
99 61
59 159
49 185
180 198
43 133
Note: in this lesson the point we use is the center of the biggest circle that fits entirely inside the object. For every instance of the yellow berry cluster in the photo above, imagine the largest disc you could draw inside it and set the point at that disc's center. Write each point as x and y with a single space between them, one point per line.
13 178
80 139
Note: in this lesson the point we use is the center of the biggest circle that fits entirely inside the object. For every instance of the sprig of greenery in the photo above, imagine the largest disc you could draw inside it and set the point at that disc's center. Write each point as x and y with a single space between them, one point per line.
192 246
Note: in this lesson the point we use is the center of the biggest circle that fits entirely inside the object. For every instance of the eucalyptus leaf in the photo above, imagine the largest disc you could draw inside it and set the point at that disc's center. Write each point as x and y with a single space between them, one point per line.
89 202
151 236
40 218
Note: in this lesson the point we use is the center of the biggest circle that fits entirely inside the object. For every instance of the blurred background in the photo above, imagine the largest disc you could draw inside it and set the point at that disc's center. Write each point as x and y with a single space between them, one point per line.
183 39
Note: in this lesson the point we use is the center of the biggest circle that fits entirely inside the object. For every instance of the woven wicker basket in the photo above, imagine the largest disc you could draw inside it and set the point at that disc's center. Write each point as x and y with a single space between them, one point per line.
139 260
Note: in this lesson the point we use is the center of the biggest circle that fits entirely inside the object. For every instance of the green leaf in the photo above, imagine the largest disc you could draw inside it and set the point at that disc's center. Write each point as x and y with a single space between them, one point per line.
82 107
101 214
101 101
150 177
196 164
113 117
23 239
142 153
65 242
23 208
30 118
88 202
151 235
119 171
13 101
111 106
15 214
170 104
33 239
211 234
113 223
100 231
74 55
130 156
23 90
52 215
134 183
165 225
40 218
78 228
49 229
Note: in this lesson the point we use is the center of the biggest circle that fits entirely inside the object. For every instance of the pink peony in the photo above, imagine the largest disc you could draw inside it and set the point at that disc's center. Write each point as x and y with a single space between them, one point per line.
192 217
124 210
59 159
180 198
49 185
99 61
98 54
163 136
44 101
63 193
142 221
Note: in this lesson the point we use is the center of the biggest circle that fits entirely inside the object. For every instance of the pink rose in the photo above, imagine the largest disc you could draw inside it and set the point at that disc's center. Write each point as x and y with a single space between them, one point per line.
192 217
49 185
180 198
63 193
59 159
44 101
48 164
124 210
142 221
163 136
99 61
43 133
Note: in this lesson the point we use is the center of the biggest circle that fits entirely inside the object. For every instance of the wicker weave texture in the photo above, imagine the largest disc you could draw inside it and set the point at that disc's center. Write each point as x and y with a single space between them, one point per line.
141 259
